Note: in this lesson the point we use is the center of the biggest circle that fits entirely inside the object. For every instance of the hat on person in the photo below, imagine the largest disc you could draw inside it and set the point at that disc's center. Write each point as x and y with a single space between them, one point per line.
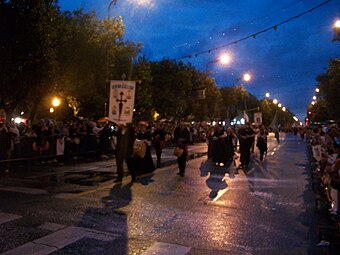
142 123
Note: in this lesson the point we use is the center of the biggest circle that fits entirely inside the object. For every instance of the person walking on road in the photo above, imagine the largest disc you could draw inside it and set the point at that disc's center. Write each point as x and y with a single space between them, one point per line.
158 141
144 165
246 136
277 135
261 143
182 139
124 149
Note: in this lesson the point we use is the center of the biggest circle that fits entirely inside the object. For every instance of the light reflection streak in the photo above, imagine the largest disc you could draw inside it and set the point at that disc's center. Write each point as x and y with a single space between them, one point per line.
221 192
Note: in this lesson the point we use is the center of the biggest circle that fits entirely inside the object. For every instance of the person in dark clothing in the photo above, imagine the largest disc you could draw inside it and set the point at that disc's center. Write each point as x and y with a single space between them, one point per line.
125 138
261 143
158 141
246 136
335 169
277 135
104 139
210 137
220 146
145 164
230 140
182 139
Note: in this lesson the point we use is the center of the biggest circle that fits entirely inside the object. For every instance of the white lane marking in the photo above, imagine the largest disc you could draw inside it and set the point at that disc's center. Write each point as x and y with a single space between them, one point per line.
7 217
31 248
24 190
166 249
59 240
52 226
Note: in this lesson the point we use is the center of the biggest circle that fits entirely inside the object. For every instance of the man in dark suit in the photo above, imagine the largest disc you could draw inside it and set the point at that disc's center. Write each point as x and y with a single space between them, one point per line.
246 137
182 139
124 149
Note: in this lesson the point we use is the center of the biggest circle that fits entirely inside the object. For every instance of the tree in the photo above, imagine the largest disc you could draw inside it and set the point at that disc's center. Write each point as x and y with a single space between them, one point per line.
327 105
28 51
143 98
169 86
92 53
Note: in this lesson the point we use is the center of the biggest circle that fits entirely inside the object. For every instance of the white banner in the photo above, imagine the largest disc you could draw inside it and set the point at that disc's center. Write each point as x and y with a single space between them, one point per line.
317 152
258 118
122 101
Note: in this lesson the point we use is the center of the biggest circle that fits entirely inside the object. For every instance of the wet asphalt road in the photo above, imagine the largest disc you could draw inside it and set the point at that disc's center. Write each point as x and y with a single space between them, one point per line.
267 210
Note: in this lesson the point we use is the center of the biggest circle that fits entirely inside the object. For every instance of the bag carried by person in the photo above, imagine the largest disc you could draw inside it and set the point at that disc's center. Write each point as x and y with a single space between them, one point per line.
178 151
139 148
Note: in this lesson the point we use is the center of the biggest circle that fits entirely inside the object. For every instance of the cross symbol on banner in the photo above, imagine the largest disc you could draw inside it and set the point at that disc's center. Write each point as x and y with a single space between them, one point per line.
121 100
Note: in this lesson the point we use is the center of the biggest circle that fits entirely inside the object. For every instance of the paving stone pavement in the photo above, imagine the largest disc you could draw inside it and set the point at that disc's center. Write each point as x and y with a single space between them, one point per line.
63 236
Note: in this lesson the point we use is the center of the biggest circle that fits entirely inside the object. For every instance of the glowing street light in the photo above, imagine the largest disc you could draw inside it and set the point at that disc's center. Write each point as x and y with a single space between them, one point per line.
313 102
246 77
225 59
284 109
275 101
267 95
317 90
314 97
56 102
295 118
279 105
337 24
51 110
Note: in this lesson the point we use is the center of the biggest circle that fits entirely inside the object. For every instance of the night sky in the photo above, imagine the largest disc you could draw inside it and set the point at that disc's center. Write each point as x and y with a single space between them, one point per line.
283 60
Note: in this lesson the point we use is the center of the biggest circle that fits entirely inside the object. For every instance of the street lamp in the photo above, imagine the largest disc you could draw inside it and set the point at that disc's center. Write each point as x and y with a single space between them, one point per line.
284 109
246 77
275 101
56 102
337 24
267 95
114 2
317 90
224 59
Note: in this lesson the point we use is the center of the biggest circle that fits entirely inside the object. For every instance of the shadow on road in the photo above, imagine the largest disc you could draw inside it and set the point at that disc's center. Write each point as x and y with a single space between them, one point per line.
108 219
217 176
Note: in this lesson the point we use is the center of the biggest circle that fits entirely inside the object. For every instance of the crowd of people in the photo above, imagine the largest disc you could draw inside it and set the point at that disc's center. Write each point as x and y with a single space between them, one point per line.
222 143
61 141
325 144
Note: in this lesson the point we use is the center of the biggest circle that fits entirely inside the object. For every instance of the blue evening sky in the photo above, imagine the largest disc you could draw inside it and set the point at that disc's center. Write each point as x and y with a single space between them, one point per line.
283 62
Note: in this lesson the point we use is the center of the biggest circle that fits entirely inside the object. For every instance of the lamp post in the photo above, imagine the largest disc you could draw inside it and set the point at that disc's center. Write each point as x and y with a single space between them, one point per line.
55 104
336 28
114 2
246 77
